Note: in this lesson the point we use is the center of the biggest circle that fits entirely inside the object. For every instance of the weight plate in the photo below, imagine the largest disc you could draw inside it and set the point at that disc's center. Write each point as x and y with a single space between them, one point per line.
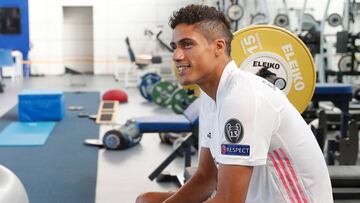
334 20
162 92
345 64
282 53
259 18
147 84
193 88
181 100
235 12
281 20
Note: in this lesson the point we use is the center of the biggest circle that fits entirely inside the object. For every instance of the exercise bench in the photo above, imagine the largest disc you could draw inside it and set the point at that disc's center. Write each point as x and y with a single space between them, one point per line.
345 181
340 95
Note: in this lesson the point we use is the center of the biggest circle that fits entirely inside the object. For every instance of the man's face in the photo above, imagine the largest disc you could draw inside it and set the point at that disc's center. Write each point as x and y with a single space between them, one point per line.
193 55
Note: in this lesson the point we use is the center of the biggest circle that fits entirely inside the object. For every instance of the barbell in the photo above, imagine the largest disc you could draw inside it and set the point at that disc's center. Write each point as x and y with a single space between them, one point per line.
283 54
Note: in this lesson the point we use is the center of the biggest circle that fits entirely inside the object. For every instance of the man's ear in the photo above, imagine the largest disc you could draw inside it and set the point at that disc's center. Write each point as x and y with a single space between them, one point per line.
220 47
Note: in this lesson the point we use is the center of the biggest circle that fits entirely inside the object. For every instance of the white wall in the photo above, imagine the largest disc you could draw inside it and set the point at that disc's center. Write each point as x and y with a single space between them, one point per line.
78 38
113 20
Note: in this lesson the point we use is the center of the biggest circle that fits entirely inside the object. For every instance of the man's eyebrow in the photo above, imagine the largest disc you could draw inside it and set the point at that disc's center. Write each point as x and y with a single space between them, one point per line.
181 41
185 39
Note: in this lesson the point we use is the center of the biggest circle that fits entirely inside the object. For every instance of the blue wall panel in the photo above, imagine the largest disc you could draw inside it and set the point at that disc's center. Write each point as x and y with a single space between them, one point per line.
17 41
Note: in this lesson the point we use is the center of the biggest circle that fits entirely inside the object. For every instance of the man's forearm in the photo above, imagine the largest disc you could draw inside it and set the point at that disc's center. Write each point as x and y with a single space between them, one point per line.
197 189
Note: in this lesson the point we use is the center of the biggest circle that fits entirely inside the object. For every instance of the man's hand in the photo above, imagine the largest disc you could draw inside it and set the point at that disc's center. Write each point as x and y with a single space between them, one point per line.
201 185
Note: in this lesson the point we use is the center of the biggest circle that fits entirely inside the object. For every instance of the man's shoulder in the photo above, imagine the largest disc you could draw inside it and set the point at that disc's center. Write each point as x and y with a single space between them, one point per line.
239 84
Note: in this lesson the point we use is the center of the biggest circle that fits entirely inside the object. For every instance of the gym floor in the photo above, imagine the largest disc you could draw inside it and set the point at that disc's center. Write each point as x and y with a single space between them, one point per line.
122 175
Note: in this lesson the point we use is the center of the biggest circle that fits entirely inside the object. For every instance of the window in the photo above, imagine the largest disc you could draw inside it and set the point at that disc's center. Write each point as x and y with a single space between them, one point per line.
10 20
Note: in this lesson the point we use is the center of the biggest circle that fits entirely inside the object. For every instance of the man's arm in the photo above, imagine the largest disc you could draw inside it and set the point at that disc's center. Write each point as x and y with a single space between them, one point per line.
233 183
201 184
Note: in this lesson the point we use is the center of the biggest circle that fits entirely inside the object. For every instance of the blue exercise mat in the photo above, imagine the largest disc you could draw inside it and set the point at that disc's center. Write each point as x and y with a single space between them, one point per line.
63 169
26 133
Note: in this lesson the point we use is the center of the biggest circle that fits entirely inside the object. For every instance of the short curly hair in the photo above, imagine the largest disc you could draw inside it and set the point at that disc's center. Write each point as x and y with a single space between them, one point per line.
212 24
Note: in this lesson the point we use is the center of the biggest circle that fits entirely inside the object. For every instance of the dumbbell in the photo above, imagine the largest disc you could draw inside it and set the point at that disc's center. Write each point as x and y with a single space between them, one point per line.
125 137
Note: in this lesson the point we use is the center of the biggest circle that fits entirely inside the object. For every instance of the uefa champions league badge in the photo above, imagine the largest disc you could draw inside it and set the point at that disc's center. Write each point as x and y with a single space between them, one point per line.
233 130
234 133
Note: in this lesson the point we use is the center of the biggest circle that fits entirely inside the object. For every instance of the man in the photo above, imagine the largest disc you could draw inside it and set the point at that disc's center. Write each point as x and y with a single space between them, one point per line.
255 146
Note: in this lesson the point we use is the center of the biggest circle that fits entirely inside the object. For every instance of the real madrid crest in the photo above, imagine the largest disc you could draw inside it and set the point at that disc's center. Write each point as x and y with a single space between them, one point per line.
233 130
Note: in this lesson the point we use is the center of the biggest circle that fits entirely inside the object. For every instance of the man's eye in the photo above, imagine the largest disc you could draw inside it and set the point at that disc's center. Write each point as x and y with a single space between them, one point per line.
187 44
172 46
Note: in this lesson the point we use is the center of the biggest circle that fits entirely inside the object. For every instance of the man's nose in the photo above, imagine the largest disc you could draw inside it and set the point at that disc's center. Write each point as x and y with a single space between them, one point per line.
178 55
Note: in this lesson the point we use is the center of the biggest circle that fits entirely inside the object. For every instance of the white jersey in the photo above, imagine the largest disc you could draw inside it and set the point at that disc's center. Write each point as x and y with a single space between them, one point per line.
252 123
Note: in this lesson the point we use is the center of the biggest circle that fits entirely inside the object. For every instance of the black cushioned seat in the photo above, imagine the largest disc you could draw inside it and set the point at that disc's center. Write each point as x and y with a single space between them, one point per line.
171 123
345 176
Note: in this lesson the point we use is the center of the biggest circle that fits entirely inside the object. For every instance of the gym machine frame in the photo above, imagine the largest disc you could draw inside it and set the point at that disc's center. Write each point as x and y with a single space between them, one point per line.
183 148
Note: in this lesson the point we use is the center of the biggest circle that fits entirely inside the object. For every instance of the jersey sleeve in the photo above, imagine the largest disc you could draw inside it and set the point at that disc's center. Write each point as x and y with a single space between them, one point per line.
248 121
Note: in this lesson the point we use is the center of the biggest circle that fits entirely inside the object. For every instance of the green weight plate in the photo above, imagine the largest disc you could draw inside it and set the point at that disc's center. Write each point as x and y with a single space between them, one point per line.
181 100
162 92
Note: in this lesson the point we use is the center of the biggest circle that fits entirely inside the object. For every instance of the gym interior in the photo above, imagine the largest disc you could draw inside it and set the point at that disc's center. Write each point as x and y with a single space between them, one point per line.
91 109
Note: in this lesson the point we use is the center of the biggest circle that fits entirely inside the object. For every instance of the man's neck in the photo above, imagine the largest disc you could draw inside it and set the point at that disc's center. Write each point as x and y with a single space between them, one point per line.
210 87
